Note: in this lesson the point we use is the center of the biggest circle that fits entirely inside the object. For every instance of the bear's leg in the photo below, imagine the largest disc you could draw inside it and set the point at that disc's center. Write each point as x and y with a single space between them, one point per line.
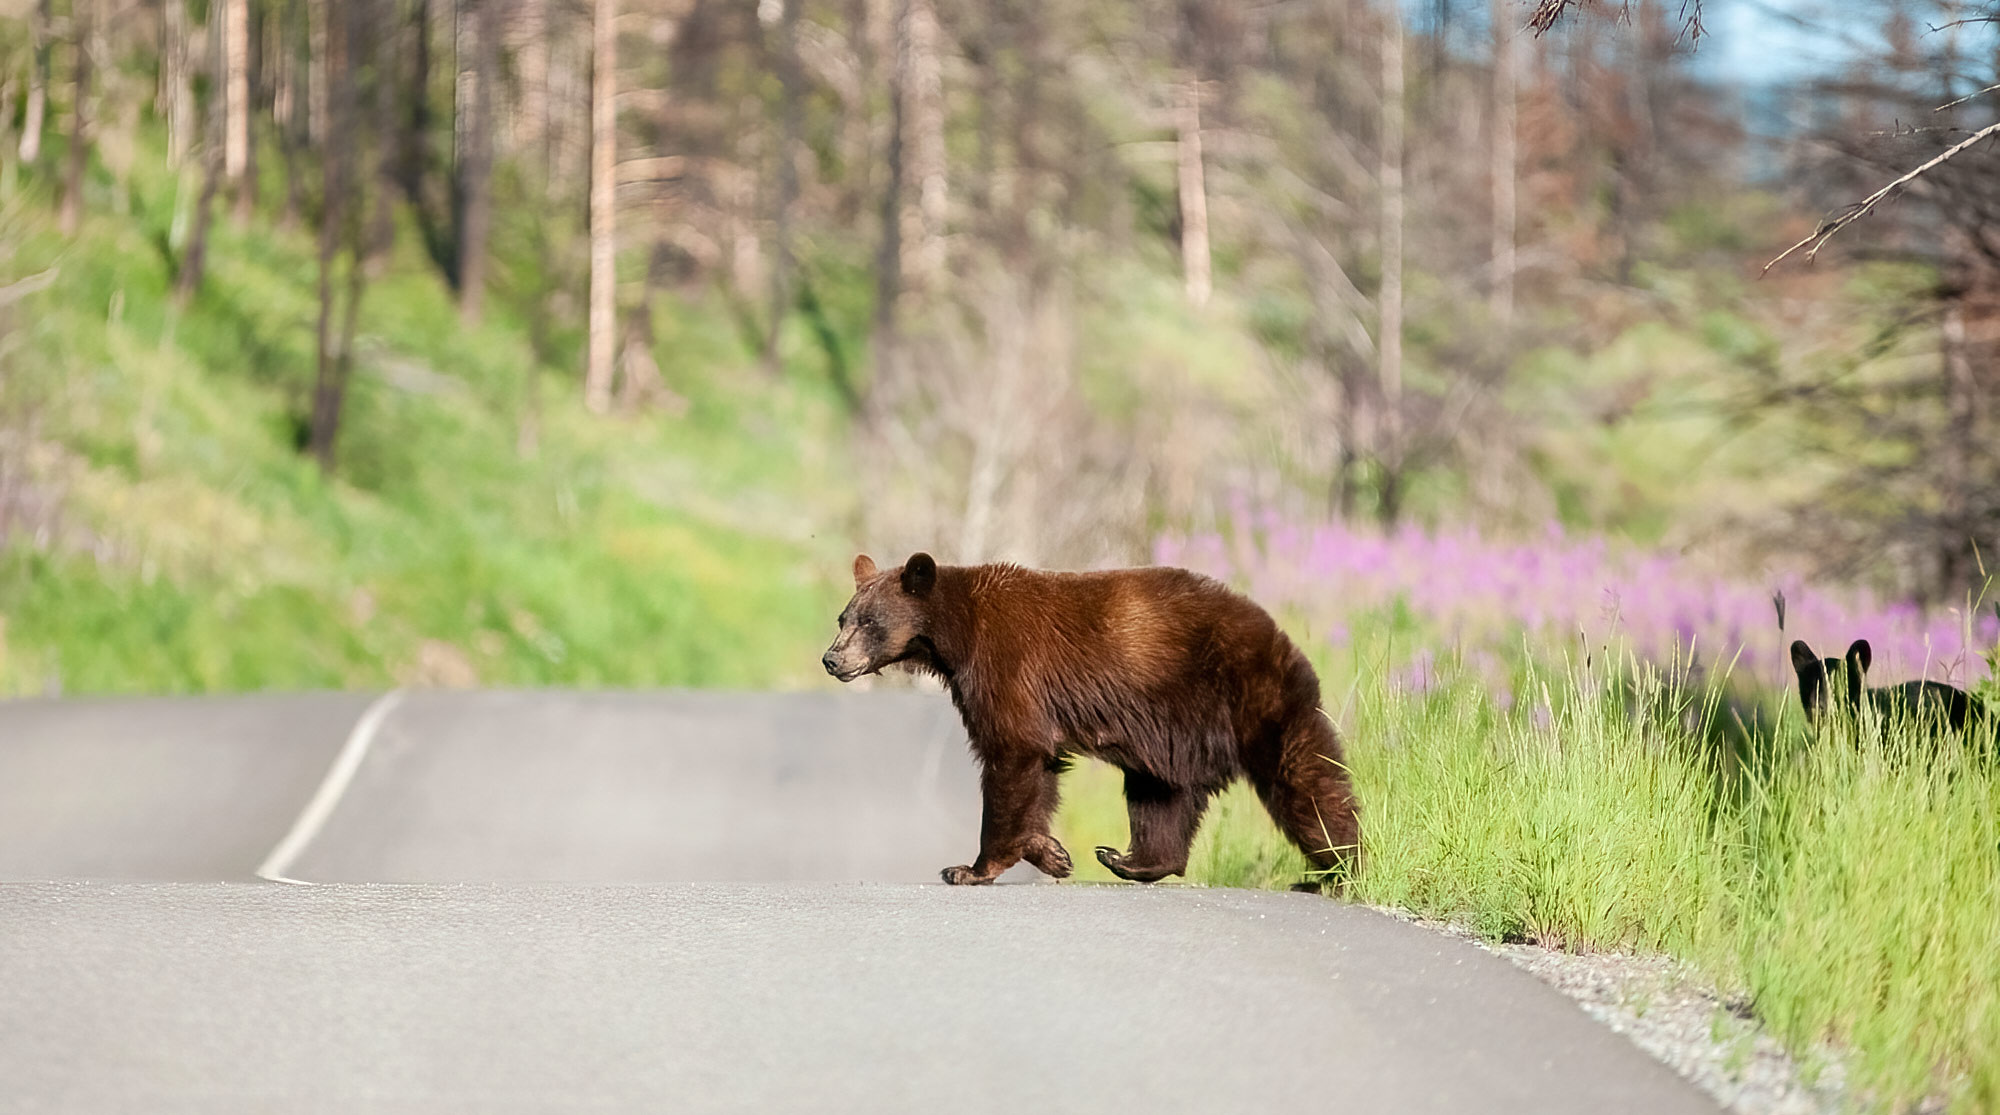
1020 797
1043 849
1164 818
1306 790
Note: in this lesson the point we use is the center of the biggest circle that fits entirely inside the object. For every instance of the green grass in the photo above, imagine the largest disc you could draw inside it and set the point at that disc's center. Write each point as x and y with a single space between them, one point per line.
1850 895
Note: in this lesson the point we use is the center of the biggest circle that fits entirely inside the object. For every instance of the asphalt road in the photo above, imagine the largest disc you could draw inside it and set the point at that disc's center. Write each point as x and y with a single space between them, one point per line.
509 916
159 788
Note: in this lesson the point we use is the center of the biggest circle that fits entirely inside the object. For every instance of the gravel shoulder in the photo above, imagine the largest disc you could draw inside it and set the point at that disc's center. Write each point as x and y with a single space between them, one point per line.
1667 1010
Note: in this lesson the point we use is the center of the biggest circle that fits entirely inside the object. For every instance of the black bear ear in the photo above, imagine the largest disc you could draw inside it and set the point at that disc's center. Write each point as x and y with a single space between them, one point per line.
1859 654
864 569
1803 658
919 574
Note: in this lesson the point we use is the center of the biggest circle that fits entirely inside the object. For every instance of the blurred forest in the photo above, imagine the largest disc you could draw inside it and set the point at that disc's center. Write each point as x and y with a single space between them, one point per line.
490 338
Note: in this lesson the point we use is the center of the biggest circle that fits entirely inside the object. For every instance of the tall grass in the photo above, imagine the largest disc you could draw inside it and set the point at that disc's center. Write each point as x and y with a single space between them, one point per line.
1847 886
1871 911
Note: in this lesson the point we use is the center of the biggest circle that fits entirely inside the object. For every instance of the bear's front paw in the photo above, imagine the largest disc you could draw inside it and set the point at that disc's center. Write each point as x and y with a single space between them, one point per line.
963 877
1049 857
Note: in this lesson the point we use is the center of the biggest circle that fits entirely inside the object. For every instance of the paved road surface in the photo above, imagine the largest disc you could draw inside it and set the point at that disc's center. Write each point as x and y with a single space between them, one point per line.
656 787
159 788
490 979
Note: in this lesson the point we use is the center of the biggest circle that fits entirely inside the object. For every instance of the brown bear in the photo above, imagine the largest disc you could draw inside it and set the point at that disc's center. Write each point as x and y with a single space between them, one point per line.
1165 674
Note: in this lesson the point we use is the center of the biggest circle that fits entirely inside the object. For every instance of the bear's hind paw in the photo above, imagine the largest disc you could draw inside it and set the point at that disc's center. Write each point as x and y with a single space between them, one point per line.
963 877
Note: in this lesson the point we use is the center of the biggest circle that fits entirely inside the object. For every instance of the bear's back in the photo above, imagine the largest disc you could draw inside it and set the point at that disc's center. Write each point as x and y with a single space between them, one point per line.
1149 619
1138 639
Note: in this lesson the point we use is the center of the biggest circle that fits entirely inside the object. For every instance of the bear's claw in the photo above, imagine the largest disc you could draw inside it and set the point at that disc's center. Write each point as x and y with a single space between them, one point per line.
963 877
1121 865
1049 857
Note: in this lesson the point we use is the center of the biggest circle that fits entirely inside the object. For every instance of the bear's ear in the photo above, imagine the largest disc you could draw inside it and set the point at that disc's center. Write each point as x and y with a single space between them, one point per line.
919 574
864 568
1859 654
1803 659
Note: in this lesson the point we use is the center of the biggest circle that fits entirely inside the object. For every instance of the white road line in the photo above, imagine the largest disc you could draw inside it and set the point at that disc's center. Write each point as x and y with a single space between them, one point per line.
313 817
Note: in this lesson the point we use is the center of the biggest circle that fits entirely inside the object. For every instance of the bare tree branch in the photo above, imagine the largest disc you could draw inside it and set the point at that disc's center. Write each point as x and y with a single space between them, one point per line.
1548 13
1829 228
1968 20
1967 97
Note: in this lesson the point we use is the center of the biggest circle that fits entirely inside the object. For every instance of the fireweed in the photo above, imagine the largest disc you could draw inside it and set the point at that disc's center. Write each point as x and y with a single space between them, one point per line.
1483 594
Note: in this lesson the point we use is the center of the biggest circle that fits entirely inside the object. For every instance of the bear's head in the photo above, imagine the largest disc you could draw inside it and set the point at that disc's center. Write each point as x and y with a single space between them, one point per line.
886 622
1820 676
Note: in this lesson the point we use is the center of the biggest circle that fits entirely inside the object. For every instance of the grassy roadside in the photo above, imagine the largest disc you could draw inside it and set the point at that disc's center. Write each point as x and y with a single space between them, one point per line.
161 532
1851 896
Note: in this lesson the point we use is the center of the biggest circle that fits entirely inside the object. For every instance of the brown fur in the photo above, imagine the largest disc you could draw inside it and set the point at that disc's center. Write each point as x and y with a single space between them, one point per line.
1166 674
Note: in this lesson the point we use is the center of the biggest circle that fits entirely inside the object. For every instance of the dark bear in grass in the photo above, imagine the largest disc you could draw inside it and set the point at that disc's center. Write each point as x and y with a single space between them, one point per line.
1844 680
1168 675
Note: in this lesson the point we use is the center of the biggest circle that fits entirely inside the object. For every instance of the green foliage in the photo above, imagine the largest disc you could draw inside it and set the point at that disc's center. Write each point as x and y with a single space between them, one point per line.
197 550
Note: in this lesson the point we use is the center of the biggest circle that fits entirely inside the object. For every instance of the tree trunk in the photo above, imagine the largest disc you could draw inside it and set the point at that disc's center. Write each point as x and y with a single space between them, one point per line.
1193 191
236 90
70 214
194 258
986 92
1505 160
889 259
603 199
476 168
531 125
1956 561
1390 343
1346 478
178 92
289 112
329 386
788 178
361 177
1020 187
252 86
858 122
926 150
38 86
442 226
319 19
277 49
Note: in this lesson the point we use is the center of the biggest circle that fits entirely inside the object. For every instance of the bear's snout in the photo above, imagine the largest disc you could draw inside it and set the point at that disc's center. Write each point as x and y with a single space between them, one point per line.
839 660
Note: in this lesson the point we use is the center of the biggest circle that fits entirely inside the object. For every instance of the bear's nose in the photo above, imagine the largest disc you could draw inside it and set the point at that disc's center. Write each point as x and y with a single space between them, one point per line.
827 661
